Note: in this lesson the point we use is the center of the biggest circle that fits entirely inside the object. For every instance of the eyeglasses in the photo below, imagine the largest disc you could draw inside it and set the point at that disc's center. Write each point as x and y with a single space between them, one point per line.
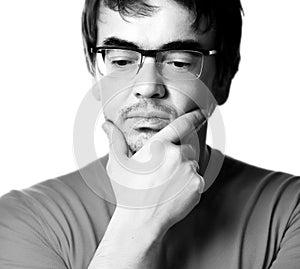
172 64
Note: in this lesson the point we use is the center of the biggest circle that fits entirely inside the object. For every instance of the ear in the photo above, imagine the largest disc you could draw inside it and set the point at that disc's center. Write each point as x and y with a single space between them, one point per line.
221 89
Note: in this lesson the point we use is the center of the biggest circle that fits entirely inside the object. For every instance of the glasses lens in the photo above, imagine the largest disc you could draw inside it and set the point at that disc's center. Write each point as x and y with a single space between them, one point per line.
118 62
173 64
180 64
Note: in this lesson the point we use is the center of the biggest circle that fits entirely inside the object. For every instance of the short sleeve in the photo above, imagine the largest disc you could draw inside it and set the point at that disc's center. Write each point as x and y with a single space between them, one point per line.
23 242
288 256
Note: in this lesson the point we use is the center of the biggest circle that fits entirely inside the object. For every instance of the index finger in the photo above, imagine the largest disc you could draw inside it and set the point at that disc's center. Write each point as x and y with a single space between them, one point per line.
181 126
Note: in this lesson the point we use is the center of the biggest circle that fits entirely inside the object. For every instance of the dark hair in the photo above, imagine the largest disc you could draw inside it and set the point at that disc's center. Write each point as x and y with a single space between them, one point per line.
224 15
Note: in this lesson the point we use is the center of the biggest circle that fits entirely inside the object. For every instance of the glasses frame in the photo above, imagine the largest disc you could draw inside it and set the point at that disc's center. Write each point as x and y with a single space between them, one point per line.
153 54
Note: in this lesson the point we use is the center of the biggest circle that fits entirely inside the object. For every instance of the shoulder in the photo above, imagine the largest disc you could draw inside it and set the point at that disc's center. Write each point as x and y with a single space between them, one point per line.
53 201
46 196
247 175
60 219
69 190
26 237
41 211
266 205
247 189
260 193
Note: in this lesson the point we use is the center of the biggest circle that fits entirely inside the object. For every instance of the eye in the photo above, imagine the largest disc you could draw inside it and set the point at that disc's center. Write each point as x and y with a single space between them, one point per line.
179 64
178 60
121 62
121 59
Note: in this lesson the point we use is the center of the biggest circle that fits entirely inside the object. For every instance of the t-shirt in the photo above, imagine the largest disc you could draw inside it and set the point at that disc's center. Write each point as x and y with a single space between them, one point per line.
248 219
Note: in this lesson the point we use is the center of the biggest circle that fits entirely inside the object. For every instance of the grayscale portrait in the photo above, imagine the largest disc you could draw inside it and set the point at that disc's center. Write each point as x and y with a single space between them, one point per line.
149 135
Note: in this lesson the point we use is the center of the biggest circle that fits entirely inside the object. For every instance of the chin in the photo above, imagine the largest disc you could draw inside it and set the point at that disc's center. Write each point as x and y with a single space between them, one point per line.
137 141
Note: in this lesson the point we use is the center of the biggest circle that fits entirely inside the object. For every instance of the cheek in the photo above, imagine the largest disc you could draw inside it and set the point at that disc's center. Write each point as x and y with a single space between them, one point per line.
113 96
192 94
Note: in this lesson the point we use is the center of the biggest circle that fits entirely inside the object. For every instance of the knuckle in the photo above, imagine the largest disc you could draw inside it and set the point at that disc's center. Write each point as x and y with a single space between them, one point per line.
200 184
197 184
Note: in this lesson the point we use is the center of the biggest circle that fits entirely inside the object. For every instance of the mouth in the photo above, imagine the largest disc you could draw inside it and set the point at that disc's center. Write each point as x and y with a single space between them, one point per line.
147 125
146 130
149 115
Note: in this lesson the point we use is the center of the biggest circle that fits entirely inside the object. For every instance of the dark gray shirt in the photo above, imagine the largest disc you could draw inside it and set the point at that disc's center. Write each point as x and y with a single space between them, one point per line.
249 218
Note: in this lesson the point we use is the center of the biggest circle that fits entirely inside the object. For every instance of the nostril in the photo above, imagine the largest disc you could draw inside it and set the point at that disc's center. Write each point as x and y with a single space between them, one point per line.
149 90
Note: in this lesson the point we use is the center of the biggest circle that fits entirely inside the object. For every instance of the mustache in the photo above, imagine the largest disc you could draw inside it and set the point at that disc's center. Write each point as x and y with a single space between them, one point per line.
143 105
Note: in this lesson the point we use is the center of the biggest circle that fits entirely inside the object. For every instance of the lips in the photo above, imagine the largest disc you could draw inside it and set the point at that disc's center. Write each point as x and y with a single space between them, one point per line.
149 114
151 123
147 124
148 121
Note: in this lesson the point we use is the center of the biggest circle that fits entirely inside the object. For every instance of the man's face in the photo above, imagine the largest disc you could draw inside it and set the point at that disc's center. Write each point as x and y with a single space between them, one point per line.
143 105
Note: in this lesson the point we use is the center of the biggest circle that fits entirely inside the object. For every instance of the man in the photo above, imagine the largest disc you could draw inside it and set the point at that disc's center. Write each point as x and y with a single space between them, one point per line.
154 62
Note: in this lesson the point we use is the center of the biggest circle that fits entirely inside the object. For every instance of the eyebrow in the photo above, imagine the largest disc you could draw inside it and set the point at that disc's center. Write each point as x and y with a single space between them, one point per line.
176 44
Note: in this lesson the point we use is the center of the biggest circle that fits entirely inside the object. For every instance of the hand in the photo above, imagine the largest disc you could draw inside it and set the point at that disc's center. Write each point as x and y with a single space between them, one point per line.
170 173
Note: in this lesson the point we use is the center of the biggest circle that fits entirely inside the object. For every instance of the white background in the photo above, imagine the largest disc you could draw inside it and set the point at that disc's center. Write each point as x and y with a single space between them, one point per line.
43 78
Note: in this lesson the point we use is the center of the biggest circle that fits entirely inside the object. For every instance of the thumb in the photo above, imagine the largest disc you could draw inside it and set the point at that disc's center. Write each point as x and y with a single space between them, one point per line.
117 142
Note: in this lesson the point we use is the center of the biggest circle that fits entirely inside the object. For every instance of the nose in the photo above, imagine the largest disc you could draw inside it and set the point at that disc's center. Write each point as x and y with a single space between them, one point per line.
148 82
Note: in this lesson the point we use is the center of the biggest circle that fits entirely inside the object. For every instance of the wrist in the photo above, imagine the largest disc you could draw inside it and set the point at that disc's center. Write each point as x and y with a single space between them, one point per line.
136 225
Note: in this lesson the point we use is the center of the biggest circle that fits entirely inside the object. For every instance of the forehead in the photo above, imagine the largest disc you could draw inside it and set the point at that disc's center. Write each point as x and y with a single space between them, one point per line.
169 22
